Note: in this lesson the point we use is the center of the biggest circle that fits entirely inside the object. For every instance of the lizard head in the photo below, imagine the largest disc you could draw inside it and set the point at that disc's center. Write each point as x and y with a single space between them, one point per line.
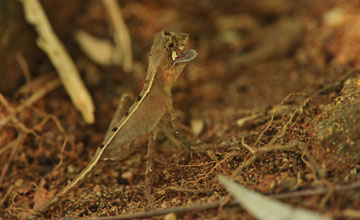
168 55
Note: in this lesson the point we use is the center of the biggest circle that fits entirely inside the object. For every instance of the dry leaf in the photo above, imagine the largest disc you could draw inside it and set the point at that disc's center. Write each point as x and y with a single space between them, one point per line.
98 50
265 208
42 195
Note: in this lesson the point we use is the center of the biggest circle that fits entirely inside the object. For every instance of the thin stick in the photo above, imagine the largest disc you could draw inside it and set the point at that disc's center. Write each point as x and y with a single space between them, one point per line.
318 191
271 145
57 123
273 115
41 92
8 191
148 214
12 117
181 189
61 157
202 207
197 165
24 68
60 58
15 146
121 35
228 156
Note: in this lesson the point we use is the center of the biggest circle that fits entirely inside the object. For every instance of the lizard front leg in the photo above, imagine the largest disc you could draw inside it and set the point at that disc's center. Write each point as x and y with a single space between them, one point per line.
178 59
174 122
149 165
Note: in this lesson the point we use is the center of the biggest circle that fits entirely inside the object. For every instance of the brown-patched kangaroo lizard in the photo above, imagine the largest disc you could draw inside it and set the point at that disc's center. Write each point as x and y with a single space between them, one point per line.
167 60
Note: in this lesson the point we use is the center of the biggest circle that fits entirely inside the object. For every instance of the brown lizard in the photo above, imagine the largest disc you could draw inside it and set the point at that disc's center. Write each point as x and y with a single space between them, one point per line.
167 60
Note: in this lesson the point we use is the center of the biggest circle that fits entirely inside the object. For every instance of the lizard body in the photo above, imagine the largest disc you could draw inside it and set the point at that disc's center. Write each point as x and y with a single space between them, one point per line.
166 62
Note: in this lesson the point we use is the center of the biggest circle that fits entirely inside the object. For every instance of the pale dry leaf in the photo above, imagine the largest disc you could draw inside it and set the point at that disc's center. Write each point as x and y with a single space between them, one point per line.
265 208
100 51
42 195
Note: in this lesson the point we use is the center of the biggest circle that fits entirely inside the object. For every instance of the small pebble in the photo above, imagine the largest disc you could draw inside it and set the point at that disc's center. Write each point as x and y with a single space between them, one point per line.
129 176
170 216
197 126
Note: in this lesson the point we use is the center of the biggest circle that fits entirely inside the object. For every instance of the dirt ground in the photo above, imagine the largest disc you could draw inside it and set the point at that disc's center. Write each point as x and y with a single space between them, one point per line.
272 101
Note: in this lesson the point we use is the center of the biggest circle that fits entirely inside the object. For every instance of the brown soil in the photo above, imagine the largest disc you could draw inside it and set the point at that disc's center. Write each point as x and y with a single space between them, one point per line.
272 101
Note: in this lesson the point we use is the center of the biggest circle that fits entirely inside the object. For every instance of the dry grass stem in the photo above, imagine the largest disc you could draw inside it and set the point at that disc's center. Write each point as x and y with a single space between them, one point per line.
15 147
123 52
182 189
271 146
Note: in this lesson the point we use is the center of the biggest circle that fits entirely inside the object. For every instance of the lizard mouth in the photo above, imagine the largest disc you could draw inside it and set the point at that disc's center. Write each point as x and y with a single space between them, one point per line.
184 56
175 44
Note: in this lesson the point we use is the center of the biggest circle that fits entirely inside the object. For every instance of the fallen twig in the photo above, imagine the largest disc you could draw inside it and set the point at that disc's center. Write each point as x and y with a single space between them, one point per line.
12 117
310 192
228 156
148 214
39 93
15 144
182 189
24 68
60 58
271 145
123 51
202 207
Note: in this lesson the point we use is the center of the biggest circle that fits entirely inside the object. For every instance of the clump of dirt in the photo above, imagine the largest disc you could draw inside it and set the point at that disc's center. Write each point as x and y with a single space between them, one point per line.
336 130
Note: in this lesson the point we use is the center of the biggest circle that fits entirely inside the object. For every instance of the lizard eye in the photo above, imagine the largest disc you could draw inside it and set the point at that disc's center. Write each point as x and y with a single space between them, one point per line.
170 45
